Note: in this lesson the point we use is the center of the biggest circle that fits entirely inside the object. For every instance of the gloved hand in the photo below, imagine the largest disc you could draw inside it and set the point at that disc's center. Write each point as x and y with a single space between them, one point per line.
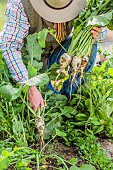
35 98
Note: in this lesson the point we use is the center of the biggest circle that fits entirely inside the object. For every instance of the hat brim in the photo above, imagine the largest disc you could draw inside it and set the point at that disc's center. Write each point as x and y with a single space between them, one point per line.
61 15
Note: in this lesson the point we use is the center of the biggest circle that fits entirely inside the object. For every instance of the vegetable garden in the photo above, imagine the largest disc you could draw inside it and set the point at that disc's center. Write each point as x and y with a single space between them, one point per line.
66 134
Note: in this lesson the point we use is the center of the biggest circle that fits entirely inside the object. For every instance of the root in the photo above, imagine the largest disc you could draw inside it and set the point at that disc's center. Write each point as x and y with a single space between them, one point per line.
83 65
76 63
40 125
71 85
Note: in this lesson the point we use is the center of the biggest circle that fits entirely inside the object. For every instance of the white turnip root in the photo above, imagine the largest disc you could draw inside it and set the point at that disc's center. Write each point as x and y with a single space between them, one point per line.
65 61
40 125
76 64
83 64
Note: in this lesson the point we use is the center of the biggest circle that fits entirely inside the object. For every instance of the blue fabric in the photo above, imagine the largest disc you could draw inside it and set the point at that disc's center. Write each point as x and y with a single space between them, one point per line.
55 57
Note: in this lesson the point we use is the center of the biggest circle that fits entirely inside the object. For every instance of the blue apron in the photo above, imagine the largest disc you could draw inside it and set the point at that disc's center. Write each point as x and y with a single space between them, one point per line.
55 58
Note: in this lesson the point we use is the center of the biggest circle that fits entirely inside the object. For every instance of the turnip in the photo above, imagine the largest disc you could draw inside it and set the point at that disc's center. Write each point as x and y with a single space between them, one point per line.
83 64
96 13
65 61
76 64
40 125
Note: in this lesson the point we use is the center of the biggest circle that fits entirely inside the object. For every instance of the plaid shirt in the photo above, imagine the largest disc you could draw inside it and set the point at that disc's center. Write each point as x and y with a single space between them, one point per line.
11 41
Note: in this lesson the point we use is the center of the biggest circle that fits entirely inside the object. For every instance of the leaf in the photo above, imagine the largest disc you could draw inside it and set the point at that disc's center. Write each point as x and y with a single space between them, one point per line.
88 13
76 31
73 161
110 26
109 110
98 129
52 72
58 100
68 110
37 65
110 99
89 105
60 133
74 168
95 121
4 159
87 167
33 47
82 123
19 108
50 128
110 71
81 117
8 92
4 163
22 164
53 33
88 132
39 80
42 37
100 20
31 71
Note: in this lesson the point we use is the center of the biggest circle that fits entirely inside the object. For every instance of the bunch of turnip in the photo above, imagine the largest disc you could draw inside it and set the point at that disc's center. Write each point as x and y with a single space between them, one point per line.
97 13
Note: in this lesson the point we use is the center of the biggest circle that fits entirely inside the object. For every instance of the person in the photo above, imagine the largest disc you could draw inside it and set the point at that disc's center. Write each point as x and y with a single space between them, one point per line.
27 17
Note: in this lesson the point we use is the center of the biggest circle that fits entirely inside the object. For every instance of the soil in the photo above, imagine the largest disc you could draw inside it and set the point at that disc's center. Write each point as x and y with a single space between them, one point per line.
69 152
64 152
107 146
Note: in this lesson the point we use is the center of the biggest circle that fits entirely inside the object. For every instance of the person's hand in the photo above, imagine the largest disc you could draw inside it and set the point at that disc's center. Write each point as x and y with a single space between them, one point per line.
95 32
35 98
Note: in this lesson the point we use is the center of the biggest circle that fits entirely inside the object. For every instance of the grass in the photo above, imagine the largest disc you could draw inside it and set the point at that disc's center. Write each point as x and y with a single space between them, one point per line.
2 15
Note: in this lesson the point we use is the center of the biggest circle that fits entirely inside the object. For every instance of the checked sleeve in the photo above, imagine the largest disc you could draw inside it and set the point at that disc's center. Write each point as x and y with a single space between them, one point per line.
15 29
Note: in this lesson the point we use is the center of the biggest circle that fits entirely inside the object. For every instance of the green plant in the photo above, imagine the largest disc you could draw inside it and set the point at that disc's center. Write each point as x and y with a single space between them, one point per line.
91 151
20 158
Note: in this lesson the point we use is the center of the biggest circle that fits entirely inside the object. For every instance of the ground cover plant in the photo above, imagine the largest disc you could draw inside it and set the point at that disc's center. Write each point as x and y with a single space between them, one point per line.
88 113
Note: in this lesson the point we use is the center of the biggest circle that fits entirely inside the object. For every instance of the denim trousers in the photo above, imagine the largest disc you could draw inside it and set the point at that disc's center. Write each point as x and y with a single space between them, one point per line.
55 58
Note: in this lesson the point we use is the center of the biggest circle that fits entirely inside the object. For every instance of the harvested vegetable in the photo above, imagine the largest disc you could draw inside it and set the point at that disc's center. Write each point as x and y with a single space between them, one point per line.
40 125
76 63
65 61
97 13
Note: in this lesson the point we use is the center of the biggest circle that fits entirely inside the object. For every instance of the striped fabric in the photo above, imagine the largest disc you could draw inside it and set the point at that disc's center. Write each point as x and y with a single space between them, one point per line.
11 41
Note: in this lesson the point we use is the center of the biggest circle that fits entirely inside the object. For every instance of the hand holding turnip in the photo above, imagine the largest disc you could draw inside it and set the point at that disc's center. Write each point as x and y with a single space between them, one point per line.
95 32
35 98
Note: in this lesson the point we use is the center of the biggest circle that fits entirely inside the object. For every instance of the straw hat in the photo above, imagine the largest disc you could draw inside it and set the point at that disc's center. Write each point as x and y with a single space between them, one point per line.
58 11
